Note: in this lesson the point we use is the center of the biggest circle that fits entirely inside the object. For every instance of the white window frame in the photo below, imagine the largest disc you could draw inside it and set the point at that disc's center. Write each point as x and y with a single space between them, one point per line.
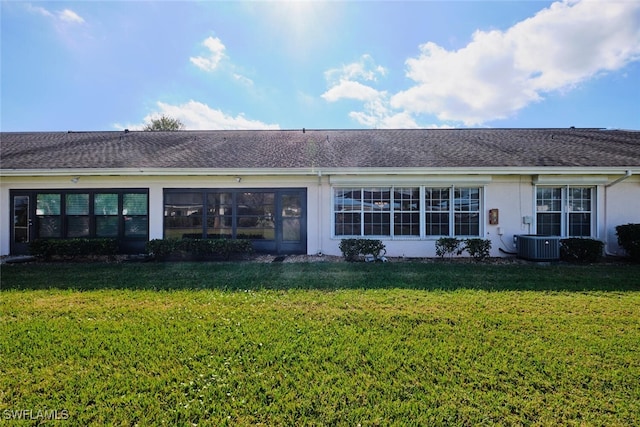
422 211
566 209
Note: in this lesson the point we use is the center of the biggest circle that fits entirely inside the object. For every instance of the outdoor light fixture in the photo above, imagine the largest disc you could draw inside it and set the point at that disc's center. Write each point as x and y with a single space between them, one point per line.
75 179
238 178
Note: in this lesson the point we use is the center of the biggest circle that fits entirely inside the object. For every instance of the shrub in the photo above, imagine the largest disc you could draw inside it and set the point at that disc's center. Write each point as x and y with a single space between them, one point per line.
198 248
580 250
448 246
161 248
353 248
629 239
73 248
478 249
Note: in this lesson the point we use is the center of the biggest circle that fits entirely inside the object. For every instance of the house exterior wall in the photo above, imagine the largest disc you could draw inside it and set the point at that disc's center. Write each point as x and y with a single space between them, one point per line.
621 205
513 195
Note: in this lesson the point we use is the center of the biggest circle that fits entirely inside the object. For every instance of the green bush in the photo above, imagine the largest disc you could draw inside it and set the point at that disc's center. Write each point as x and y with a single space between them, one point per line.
198 248
478 249
353 248
162 248
580 250
73 248
629 239
448 246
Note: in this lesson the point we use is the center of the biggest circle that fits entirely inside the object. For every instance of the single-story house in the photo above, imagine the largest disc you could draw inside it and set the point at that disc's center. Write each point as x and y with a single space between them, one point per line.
302 191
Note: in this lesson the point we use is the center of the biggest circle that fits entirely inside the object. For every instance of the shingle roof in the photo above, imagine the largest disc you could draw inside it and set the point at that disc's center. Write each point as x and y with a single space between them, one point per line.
415 148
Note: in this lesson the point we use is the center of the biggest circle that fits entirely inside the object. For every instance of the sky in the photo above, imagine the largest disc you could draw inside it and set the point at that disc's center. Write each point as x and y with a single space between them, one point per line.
110 65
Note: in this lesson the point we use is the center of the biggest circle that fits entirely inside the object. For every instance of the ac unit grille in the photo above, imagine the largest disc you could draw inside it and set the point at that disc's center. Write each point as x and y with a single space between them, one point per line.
538 248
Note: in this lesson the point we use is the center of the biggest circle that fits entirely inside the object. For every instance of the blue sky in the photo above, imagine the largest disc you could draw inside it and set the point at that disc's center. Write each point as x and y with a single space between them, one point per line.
110 65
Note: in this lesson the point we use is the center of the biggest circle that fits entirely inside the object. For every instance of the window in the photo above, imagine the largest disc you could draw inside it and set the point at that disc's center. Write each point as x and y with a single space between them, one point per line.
437 212
77 214
105 208
183 215
135 214
73 214
274 219
466 207
406 217
255 219
48 213
219 215
564 211
398 211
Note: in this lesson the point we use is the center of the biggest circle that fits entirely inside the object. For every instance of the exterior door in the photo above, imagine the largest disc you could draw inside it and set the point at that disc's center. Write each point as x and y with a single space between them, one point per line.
22 224
291 229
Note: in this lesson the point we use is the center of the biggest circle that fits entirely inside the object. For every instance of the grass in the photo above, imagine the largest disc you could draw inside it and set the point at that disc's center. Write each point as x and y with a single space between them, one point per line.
321 344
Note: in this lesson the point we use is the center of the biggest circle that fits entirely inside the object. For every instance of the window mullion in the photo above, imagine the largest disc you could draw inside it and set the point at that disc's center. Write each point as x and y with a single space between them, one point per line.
362 212
452 225
423 212
391 212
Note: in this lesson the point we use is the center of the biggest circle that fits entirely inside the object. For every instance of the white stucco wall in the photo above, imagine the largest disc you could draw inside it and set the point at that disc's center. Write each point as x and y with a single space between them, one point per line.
512 195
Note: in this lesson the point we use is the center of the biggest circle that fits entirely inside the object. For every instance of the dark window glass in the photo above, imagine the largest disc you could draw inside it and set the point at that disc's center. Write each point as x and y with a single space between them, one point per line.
134 204
220 215
183 215
255 218
105 209
437 204
406 211
106 226
134 211
48 208
549 224
347 205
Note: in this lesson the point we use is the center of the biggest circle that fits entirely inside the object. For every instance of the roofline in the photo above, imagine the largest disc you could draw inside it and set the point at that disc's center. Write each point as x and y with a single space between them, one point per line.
314 171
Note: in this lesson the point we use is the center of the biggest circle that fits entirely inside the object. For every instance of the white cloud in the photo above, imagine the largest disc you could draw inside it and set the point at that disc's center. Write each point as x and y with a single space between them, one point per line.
377 112
198 116
363 69
499 73
214 56
69 15
243 80
62 16
347 89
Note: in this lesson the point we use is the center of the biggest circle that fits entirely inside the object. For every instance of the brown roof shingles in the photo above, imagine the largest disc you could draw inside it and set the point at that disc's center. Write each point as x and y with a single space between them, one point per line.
322 148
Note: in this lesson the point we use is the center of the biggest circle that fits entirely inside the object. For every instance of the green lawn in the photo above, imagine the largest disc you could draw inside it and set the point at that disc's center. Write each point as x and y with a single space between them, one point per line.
320 344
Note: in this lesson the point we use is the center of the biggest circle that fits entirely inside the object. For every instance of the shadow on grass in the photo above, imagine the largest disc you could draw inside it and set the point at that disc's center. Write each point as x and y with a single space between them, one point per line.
321 275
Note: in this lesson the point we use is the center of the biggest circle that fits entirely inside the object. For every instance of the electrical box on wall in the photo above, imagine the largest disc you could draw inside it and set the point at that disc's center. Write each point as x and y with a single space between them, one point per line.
527 220
493 216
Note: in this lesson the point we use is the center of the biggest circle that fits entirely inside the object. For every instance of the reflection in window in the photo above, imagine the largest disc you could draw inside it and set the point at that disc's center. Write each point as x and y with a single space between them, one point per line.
105 209
134 211
219 215
466 203
398 211
77 215
564 211
183 215
437 203
406 218
48 208
255 218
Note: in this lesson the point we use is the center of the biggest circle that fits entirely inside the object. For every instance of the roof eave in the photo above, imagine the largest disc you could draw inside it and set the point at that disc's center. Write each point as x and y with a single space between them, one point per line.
506 170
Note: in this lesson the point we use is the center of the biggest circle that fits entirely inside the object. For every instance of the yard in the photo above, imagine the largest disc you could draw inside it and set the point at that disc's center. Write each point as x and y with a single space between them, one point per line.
320 344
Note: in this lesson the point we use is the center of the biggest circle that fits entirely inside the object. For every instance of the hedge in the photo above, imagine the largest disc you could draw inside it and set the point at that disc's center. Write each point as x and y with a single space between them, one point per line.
73 248
162 249
580 250
629 239
352 249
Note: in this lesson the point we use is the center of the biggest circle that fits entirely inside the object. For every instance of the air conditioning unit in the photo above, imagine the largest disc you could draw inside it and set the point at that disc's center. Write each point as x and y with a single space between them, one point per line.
538 248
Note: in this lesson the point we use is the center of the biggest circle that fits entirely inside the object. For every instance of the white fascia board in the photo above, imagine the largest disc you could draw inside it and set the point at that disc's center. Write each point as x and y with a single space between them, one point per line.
540 171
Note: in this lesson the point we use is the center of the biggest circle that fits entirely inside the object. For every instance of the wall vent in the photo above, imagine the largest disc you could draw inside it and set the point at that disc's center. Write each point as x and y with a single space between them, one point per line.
538 248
